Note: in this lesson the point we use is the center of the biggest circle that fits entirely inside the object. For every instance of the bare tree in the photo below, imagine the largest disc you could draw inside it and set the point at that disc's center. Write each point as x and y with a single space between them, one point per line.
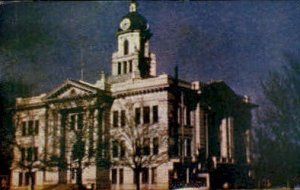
73 155
82 151
27 155
277 138
77 149
132 141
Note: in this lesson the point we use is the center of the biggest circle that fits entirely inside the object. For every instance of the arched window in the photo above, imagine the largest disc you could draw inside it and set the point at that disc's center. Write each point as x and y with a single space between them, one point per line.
126 47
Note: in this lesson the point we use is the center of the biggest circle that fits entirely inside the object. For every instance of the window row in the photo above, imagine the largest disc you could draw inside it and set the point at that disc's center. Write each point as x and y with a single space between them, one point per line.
118 149
125 67
142 149
144 176
29 154
25 178
119 118
30 127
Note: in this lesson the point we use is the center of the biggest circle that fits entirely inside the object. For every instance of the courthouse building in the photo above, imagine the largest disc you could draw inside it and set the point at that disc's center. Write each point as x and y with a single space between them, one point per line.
75 125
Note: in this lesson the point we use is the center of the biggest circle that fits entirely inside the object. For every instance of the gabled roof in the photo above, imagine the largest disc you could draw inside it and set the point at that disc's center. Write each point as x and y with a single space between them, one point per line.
72 88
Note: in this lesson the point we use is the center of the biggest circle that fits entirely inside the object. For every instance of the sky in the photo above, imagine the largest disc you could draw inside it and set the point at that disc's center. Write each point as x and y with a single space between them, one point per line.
239 42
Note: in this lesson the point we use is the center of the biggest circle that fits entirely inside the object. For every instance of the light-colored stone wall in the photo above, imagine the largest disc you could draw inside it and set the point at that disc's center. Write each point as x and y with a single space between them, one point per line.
51 177
134 47
89 175
161 182
27 141
160 99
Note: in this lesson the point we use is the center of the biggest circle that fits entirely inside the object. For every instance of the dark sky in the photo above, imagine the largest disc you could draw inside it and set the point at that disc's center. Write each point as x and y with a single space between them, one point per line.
238 42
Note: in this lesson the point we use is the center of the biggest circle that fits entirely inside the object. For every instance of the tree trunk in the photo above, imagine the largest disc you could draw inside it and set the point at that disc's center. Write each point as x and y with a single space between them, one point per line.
137 179
79 175
32 181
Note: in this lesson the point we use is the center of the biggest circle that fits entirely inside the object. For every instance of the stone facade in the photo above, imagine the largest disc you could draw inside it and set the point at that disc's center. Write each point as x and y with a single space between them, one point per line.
207 125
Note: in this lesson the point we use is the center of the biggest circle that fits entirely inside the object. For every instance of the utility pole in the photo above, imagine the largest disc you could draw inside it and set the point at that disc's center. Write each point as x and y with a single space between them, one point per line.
82 41
81 62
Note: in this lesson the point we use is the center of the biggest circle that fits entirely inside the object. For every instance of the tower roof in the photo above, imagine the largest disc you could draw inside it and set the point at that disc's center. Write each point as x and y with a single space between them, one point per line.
136 20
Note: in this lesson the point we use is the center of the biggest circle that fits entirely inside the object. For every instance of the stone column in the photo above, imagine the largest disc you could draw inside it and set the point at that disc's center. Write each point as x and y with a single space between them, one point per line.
226 135
230 138
62 147
223 138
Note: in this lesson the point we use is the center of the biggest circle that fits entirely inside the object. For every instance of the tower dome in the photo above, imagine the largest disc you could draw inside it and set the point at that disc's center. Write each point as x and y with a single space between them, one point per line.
136 22
133 21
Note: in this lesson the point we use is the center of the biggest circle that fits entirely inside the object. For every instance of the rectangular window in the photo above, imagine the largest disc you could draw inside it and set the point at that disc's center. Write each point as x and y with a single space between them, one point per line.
115 150
80 121
188 147
145 175
124 67
20 179
146 114
35 153
29 154
24 128
146 148
154 175
130 66
36 127
123 118
23 154
114 176
122 149
119 68
115 118
155 114
30 127
121 176
137 116
72 122
155 146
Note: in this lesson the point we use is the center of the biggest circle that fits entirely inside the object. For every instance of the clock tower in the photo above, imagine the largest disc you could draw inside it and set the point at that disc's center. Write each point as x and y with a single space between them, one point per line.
133 59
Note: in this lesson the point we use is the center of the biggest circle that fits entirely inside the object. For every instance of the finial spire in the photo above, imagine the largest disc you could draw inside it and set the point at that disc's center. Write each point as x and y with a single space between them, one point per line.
133 6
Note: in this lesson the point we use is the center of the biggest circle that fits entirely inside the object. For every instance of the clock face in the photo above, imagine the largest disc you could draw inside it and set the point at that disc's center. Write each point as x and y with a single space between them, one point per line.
125 24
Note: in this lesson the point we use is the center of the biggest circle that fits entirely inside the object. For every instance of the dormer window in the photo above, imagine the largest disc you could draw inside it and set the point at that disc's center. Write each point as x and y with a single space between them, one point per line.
126 47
